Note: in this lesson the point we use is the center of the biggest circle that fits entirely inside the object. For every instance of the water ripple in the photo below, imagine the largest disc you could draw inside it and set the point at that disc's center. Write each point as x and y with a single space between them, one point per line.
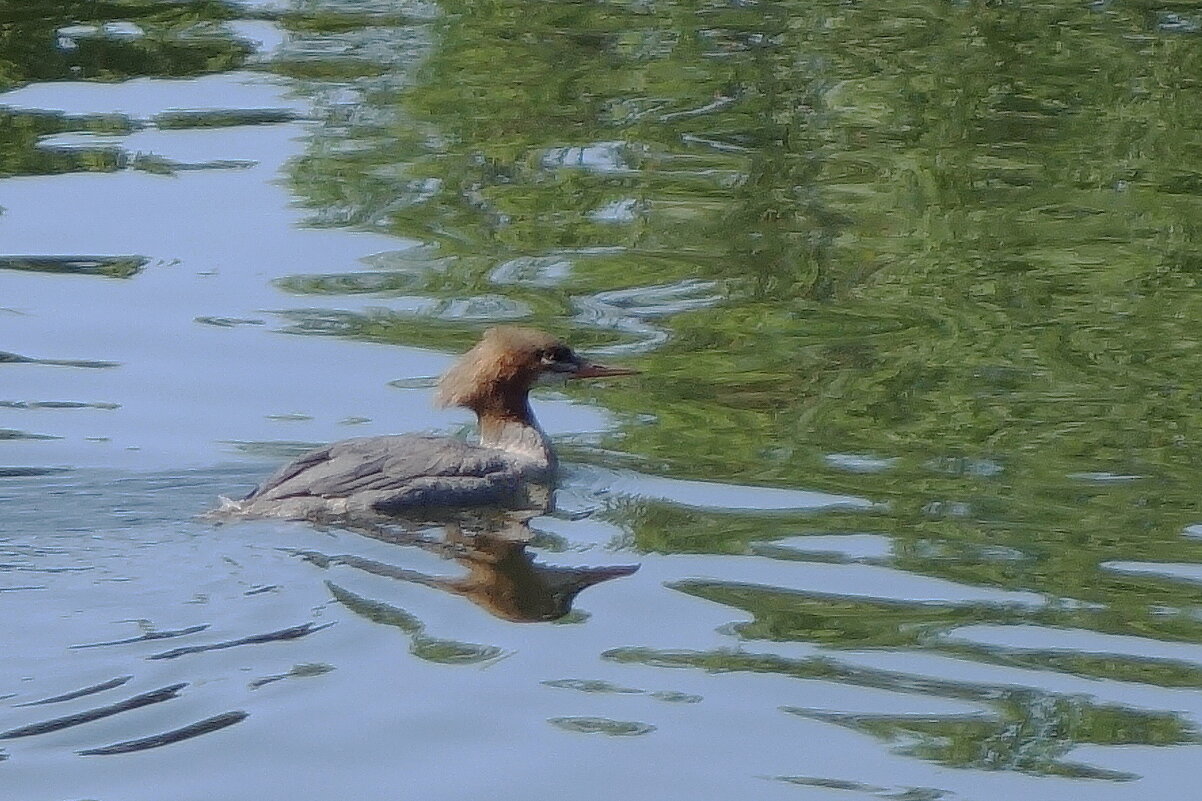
630 311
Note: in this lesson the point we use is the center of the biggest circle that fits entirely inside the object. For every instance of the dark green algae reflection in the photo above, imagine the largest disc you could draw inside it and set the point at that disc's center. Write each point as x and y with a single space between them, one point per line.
941 256
50 40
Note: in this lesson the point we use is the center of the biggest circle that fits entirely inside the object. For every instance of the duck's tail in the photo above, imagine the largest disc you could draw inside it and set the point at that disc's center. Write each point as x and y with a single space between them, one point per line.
227 508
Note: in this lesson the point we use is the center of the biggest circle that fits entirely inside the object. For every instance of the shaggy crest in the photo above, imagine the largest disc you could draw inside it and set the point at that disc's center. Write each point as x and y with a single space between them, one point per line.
504 364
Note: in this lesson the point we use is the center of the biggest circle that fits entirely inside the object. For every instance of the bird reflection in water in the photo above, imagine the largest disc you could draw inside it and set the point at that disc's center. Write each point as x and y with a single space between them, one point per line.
502 575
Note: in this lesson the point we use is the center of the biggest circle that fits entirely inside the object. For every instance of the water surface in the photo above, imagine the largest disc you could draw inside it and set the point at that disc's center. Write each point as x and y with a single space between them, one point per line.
911 471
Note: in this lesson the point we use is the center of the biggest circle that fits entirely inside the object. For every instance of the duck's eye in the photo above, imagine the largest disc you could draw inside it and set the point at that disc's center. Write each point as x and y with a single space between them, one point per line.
556 354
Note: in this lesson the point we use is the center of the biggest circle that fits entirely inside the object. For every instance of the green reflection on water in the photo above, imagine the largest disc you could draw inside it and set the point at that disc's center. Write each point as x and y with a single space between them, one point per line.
1028 730
45 40
962 241
959 239
850 622
53 40
108 266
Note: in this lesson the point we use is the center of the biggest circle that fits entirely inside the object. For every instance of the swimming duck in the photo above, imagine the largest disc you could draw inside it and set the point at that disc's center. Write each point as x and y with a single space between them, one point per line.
511 466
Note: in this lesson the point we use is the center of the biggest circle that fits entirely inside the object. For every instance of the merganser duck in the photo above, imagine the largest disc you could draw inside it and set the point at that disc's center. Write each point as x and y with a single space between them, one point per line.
409 475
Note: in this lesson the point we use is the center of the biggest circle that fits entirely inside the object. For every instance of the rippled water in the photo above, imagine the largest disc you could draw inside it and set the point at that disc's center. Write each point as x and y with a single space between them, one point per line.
911 475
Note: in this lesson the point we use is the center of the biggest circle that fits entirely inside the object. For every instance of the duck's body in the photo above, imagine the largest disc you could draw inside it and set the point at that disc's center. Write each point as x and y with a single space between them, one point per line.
513 465
391 475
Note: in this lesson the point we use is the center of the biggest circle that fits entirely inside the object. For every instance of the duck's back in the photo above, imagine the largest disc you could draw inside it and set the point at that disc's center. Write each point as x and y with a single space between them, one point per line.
392 475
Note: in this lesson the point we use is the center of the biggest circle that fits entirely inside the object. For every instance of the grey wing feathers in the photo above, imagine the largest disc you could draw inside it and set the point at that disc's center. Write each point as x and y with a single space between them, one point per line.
289 471
379 465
